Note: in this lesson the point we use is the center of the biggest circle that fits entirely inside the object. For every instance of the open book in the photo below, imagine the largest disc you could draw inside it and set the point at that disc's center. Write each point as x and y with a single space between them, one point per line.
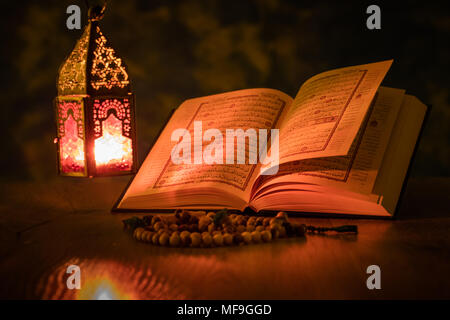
345 145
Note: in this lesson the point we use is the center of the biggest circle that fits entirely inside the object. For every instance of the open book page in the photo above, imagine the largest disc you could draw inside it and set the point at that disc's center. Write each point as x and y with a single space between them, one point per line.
244 109
399 152
328 111
355 172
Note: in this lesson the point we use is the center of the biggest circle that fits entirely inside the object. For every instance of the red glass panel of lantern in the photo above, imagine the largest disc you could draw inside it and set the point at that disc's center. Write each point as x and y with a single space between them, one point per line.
71 137
113 146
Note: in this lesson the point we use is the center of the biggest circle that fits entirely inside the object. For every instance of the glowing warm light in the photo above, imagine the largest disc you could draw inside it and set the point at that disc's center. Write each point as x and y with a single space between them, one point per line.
71 148
102 288
103 294
112 149
106 280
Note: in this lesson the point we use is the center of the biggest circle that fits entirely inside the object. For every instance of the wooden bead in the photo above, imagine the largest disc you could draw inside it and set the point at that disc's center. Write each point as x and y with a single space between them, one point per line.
206 239
155 239
137 233
275 232
185 238
158 226
282 215
251 221
174 240
145 235
142 236
240 220
228 239
218 240
266 236
256 236
164 239
150 236
259 221
203 223
196 239
247 237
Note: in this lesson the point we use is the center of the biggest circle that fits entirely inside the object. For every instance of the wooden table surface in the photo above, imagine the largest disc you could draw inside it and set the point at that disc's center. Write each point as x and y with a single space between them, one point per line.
47 226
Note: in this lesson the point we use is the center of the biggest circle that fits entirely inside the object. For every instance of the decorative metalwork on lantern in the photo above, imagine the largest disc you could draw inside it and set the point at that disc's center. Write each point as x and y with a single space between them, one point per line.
95 118
108 71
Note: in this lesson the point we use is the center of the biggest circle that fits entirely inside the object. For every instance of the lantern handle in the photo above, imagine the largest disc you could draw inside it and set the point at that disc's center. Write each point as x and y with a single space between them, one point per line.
96 12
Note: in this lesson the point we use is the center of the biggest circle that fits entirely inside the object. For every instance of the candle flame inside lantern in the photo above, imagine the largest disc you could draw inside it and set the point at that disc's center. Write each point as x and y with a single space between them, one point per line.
112 149
71 148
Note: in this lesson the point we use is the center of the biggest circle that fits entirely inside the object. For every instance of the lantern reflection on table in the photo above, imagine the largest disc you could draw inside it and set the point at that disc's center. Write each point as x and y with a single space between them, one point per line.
95 109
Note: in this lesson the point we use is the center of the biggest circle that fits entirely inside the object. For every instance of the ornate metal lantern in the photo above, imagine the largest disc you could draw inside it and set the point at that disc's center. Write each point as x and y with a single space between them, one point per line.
95 116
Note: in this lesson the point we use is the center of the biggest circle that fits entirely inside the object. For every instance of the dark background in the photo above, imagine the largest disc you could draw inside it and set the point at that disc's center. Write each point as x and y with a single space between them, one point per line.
182 49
